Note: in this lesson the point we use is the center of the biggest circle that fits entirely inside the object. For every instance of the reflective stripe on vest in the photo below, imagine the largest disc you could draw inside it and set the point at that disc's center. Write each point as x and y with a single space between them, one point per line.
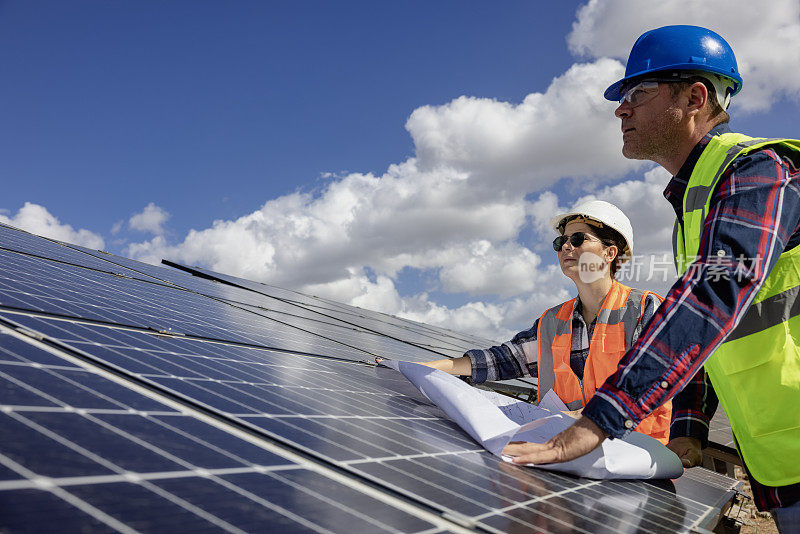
612 337
554 325
756 372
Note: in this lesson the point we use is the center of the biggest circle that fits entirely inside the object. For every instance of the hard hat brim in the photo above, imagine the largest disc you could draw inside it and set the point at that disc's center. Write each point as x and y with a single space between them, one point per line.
622 225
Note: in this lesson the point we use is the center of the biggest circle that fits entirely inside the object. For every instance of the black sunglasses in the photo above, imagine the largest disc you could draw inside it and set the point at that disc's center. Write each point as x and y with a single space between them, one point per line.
575 240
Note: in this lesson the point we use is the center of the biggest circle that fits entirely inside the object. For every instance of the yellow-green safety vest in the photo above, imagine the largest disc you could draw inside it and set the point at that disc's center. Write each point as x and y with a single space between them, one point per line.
756 371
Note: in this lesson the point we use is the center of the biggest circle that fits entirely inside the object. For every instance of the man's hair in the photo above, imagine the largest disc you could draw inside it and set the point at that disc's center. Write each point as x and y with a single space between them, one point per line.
716 110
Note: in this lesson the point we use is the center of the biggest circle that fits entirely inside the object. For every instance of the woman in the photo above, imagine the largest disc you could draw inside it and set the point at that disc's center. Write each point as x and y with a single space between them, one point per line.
573 347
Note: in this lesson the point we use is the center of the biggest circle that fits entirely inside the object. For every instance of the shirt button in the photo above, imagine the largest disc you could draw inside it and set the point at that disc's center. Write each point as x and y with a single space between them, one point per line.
664 384
720 253
628 424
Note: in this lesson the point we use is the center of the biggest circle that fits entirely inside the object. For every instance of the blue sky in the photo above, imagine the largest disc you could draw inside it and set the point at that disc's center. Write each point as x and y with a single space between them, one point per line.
400 156
210 108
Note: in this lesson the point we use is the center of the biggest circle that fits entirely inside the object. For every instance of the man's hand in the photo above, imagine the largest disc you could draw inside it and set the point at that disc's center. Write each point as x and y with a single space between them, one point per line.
579 439
688 450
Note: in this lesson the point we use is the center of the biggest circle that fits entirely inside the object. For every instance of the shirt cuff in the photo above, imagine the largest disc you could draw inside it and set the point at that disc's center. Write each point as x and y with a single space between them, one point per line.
606 415
689 425
480 367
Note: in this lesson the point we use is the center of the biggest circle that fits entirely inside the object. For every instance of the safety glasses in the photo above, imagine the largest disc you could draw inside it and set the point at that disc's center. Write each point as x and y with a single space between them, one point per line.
639 93
575 240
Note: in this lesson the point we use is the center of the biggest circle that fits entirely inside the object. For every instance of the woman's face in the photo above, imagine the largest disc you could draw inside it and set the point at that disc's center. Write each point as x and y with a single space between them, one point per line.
589 261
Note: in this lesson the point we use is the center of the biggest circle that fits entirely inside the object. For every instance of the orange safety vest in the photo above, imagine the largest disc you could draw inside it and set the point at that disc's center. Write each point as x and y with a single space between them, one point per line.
611 339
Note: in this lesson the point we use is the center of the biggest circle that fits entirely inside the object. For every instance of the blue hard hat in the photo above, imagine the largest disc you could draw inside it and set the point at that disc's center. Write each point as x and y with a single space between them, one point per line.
678 48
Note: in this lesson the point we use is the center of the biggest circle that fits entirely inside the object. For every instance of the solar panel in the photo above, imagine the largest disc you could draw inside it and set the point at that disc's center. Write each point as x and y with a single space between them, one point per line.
423 336
79 451
388 325
257 302
128 404
278 300
35 284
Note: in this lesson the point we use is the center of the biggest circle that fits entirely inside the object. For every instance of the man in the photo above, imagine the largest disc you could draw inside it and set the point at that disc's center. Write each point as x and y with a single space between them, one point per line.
736 307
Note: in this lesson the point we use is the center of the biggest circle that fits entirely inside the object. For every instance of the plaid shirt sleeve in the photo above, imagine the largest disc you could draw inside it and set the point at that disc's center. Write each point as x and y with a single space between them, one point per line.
513 359
753 218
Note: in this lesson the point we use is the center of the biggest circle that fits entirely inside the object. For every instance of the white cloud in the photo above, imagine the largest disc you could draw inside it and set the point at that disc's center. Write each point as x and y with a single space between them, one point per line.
37 220
516 149
478 318
765 41
542 210
358 290
495 321
505 270
151 219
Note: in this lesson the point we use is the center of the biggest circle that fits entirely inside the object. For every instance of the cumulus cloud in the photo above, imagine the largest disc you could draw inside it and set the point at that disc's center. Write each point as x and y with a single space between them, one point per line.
37 220
505 270
766 51
497 321
404 218
516 149
151 219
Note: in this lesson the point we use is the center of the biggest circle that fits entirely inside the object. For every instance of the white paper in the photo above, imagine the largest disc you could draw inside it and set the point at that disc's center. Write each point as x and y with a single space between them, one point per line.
552 402
493 420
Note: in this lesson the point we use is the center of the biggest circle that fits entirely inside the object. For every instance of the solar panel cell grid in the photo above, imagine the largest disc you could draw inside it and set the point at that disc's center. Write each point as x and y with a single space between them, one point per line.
19 241
92 259
21 511
109 263
97 297
112 465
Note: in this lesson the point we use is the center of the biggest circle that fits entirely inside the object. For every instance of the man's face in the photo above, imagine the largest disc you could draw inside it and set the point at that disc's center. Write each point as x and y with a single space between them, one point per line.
650 130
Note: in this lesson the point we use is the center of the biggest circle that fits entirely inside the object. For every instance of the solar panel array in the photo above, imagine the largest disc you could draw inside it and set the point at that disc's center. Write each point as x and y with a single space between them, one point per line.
138 398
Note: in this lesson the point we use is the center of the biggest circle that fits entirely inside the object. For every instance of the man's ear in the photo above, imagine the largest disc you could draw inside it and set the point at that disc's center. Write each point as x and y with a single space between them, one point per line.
697 95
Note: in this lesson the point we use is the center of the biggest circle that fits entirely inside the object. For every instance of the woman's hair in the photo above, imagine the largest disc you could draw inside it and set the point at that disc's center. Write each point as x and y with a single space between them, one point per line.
607 235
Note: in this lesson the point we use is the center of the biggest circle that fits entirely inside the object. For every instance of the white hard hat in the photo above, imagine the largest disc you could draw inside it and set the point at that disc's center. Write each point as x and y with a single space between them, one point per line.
603 212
